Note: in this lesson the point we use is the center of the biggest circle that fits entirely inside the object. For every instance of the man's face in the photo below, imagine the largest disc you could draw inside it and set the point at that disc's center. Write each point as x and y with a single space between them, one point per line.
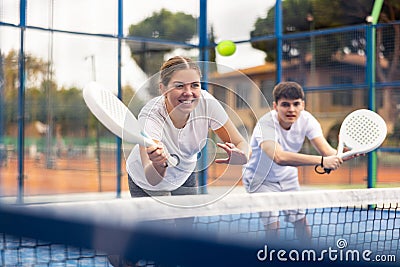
288 111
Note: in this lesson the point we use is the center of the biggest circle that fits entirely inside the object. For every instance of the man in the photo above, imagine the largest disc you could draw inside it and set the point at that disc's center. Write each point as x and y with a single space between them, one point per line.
276 141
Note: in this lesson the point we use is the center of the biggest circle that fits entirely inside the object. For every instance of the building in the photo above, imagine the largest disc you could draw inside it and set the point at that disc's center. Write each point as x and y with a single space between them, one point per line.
247 93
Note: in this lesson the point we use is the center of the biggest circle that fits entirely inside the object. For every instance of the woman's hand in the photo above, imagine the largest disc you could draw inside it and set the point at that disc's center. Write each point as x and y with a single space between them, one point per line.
235 155
157 154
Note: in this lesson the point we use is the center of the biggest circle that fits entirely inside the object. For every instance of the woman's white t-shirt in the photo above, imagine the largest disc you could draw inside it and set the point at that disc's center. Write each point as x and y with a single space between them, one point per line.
186 143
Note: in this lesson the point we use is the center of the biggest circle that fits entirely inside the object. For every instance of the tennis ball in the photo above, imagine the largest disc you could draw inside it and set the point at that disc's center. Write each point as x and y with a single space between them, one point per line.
226 48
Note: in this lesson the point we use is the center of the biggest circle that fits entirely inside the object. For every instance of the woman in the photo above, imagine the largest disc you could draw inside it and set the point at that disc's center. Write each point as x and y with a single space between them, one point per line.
179 121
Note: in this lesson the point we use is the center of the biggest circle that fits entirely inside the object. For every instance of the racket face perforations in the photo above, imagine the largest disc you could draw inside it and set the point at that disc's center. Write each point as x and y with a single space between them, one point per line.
114 108
363 130
108 109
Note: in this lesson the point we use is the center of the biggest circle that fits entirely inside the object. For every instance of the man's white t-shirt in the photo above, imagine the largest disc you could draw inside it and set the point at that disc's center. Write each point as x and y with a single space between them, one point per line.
260 167
186 143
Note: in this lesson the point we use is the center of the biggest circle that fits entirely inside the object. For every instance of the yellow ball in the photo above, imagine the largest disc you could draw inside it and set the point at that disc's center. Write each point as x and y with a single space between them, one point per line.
226 48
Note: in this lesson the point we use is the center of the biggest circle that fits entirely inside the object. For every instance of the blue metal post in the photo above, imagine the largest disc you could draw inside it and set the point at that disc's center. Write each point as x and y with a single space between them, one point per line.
370 80
2 105
203 56
118 140
21 102
279 42
3 149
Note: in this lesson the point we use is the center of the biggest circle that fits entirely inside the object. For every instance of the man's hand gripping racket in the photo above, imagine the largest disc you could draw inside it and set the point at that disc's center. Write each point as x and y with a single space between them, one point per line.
362 131
117 118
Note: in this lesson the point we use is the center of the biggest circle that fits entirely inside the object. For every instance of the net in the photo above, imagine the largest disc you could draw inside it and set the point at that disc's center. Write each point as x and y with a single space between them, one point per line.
347 226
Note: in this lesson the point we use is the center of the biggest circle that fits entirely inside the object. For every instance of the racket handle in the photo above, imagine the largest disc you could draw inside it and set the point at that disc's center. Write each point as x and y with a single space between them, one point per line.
173 160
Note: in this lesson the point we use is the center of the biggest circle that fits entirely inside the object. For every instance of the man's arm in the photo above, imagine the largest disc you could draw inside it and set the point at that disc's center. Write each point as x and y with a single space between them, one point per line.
286 158
323 147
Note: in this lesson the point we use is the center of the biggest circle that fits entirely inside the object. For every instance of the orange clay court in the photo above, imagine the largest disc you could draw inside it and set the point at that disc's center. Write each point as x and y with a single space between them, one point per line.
81 176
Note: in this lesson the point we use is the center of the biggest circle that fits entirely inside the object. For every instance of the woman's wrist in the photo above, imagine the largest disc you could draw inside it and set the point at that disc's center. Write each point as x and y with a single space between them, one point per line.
162 165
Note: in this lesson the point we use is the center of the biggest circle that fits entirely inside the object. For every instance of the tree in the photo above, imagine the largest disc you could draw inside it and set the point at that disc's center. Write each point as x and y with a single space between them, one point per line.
163 25
70 111
211 51
389 39
387 42
337 13
36 69
130 99
293 11
302 15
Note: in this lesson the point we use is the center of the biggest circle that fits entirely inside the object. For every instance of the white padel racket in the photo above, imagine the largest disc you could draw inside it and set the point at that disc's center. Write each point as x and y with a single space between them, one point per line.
117 118
362 131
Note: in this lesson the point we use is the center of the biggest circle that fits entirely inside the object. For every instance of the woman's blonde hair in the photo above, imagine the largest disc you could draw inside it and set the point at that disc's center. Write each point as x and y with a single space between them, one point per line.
176 63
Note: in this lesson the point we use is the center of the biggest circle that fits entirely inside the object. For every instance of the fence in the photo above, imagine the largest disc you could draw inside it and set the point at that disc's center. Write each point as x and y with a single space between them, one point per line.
46 130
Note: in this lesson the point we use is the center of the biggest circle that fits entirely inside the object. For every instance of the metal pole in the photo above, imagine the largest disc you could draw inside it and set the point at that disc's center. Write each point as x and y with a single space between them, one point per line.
2 105
371 80
310 19
279 42
203 56
21 102
50 157
118 140
370 76
312 82
3 148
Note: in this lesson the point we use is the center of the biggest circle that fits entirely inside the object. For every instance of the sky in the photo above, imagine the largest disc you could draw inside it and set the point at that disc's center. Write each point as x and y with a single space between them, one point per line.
72 55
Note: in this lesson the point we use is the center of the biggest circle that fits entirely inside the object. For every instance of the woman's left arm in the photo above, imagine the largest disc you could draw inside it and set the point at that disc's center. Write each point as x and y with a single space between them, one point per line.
234 144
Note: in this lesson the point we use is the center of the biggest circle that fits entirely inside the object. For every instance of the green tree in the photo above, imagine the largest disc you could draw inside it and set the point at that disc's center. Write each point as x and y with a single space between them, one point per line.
35 69
303 15
211 51
163 25
387 41
336 13
131 100
70 111
34 105
389 38
295 13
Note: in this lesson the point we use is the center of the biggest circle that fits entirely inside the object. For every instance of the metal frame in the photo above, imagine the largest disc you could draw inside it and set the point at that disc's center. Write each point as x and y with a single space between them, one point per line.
203 47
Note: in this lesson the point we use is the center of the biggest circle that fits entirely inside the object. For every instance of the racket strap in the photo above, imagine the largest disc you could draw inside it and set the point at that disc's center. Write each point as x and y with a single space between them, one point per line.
320 167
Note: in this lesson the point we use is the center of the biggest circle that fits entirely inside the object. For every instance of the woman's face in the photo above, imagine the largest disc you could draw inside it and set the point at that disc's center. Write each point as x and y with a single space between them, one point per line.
182 92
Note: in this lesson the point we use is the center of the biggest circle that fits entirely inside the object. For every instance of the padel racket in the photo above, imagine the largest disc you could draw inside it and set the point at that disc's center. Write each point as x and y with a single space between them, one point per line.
117 118
362 131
